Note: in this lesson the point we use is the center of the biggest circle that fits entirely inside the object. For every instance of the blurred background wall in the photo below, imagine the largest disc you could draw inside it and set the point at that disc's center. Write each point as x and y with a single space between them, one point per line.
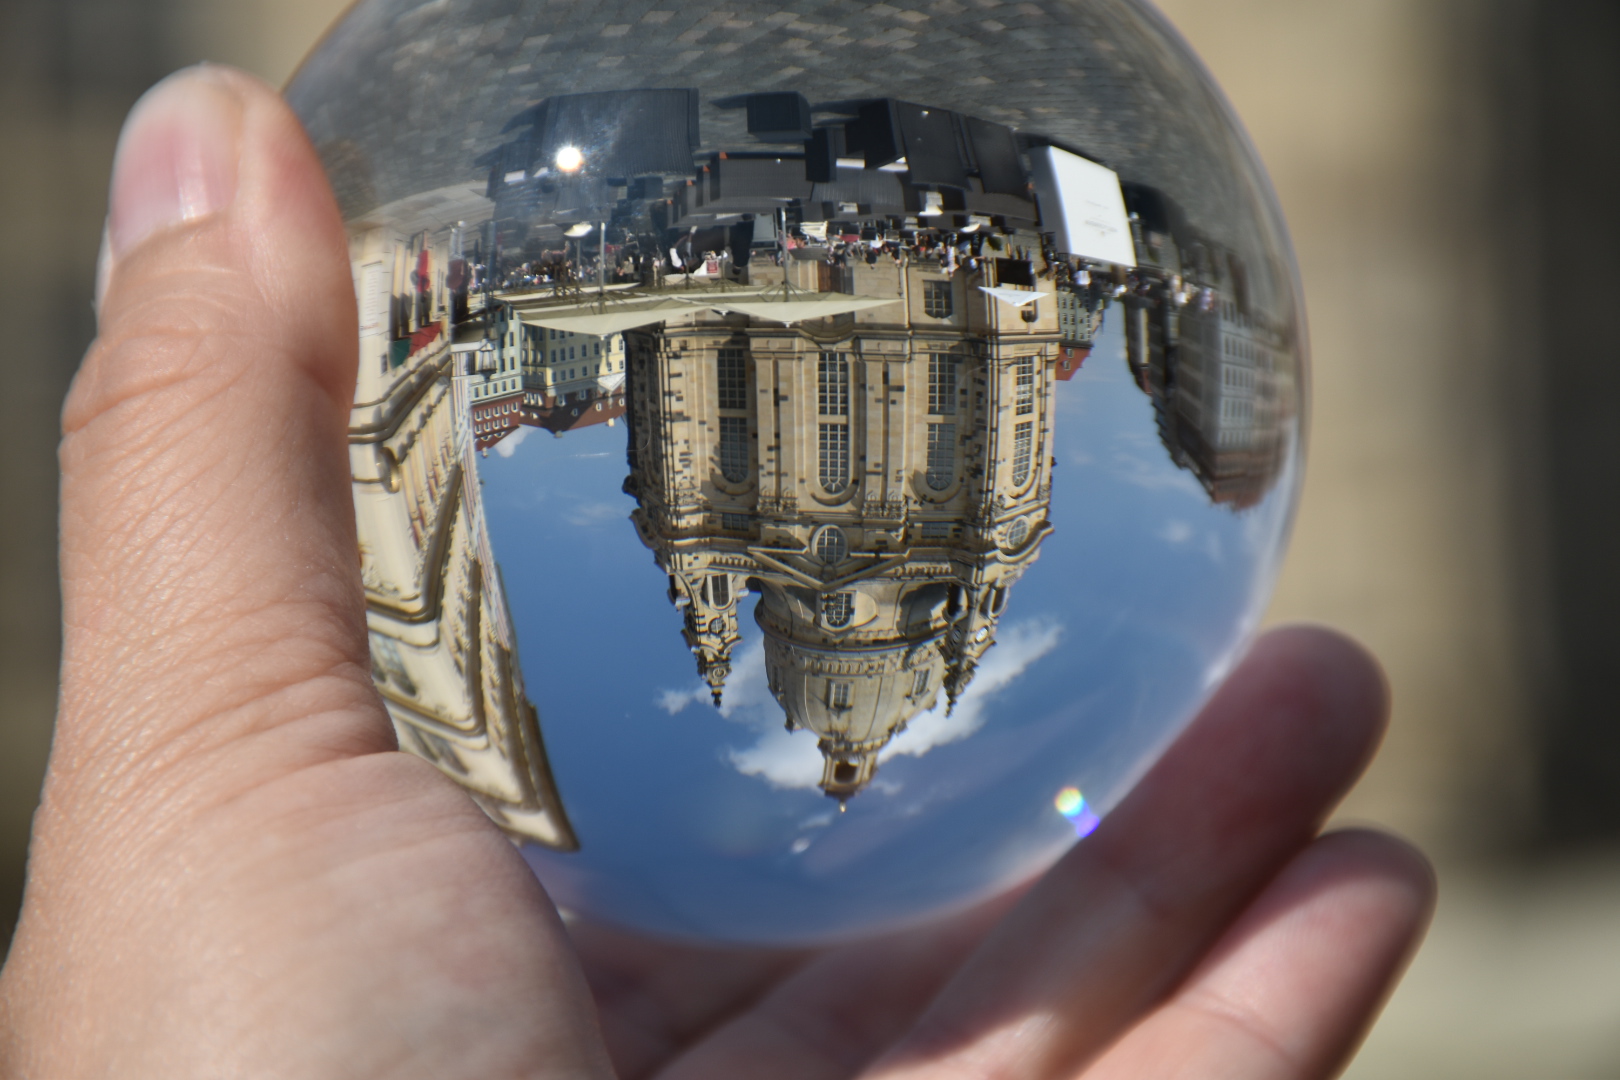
1451 170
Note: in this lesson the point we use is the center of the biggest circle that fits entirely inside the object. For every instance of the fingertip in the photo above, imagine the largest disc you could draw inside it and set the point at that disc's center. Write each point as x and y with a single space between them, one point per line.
221 225
1319 677
1394 865
1348 671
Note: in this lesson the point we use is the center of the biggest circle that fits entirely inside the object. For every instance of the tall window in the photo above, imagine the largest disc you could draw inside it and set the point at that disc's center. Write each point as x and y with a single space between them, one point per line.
839 694
734 448
942 384
719 590
834 457
833 382
941 456
1023 451
838 609
1024 369
937 299
733 379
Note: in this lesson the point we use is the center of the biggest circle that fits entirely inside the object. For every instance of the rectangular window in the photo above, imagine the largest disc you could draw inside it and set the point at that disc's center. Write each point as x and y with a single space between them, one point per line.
936 530
734 448
937 299
839 694
919 685
733 379
736 522
942 384
834 448
1024 369
832 376
941 456
838 609
1023 451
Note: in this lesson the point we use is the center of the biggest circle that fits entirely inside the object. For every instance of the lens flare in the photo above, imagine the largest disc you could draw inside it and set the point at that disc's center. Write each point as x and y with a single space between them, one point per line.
1072 805
569 159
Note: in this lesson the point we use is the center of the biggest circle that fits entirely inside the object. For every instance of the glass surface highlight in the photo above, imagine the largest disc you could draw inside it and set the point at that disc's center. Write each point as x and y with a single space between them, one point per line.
793 443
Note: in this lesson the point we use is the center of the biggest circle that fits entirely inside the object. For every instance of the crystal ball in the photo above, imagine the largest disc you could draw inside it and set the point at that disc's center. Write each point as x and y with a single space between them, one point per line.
810 458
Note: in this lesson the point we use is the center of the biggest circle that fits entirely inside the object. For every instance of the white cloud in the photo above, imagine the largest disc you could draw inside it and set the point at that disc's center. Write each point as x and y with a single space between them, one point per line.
746 688
1176 532
1155 473
787 759
508 446
782 758
1016 648
588 514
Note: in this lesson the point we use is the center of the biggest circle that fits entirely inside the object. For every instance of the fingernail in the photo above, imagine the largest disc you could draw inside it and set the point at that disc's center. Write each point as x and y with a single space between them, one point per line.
177 158
103 268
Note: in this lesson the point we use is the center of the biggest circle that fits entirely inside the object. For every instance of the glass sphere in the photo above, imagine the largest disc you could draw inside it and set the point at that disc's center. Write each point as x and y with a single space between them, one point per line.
810 458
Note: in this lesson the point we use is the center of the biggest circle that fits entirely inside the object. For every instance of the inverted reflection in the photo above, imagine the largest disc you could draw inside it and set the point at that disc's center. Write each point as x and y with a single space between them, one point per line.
777 478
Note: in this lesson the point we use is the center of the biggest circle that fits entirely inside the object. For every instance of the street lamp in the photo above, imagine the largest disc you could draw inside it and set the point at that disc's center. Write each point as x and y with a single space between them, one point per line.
486 358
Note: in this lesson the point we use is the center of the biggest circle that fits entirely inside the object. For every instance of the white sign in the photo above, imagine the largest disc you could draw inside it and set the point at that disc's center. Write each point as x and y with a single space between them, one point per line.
1082 207
374 299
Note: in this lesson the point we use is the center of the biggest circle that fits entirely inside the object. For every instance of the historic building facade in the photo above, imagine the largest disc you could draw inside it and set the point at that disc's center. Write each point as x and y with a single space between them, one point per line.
443 652
880 478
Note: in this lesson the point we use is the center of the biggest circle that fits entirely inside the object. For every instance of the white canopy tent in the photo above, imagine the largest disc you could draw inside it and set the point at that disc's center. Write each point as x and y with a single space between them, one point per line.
1015 297
602 319
791 306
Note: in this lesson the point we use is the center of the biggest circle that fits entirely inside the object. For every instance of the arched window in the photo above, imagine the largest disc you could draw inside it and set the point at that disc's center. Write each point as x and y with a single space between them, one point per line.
832 385
942 384
1023 451
1024 372
833 445
832 379
941 456
732 378
919 684
838 609
734 448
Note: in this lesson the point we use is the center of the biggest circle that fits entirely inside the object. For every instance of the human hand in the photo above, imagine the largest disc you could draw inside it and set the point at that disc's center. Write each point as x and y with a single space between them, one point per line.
235 872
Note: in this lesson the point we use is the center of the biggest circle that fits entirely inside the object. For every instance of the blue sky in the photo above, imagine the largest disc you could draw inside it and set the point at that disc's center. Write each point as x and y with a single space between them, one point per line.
702 822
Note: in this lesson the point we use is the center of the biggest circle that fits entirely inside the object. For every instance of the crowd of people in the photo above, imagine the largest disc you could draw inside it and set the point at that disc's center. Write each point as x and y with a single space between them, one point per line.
647 261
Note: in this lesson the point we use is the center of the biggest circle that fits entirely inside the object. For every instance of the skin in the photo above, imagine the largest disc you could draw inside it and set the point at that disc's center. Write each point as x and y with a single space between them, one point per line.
236 873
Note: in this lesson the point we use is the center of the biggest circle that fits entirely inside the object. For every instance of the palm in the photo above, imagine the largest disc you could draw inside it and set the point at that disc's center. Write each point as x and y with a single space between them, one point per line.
1041 983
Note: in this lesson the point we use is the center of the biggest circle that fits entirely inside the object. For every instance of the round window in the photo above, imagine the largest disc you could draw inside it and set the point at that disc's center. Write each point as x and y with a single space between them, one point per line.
832 546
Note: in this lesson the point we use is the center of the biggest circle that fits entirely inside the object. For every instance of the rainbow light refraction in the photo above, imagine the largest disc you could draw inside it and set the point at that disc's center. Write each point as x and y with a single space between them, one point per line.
1072 805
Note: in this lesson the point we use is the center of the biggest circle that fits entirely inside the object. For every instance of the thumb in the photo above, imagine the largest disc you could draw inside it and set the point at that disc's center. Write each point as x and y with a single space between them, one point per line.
227 876
210 592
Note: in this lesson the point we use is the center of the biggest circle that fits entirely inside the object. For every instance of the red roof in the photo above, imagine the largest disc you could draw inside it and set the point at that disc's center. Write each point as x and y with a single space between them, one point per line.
1069 360
558 418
